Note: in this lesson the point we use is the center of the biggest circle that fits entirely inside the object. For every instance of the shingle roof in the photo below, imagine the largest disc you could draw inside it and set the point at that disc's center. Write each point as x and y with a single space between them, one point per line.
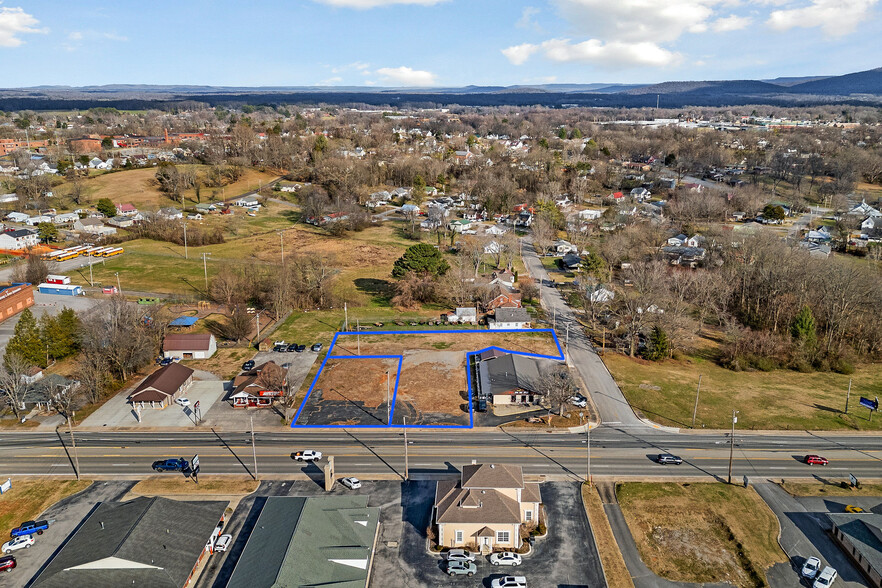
157 539
187 342
455 504
512 315
489 475
509 373
165 381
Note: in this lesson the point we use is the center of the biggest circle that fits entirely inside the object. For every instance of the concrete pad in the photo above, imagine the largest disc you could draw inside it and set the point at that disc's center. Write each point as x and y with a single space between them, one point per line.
117 412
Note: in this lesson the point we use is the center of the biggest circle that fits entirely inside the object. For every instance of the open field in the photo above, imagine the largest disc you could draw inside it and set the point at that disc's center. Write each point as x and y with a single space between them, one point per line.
178 485
28 498
226 362
831 489
665 393
702 532
614 569
432 387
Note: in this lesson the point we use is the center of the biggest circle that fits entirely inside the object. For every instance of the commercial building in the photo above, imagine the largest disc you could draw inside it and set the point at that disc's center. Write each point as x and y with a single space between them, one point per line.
859 535
189 345
304 542
258 387
508 378
14 298
162 387
148 541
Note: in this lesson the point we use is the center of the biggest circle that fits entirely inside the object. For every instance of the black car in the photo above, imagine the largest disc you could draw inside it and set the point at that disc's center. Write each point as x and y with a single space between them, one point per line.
317 347
292 348
666 458
300 348
170 465
280 348
248 365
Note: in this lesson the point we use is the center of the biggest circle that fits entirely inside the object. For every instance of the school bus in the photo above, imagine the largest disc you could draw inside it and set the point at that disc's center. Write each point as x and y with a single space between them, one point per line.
113 252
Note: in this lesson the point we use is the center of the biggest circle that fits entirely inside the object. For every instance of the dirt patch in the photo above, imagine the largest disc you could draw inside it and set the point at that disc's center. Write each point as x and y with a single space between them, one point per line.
169 486
357 380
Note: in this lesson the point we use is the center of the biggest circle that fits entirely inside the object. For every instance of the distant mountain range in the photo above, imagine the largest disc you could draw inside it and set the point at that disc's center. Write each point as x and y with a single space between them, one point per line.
856 88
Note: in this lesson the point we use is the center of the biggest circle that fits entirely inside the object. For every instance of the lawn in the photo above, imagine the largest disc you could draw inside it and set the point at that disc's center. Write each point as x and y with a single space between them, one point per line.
665 393
27 499
832 488
614 569
226 362
177 485
702 532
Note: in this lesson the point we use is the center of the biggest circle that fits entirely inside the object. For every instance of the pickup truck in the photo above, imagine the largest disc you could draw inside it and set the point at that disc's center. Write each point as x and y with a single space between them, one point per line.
29 528
308 455
171 465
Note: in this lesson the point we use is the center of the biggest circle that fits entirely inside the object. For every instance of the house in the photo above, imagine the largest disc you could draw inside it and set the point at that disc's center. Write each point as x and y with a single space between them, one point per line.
589 214
695 241
93 226
260 386
36 220
126 209
17 217
640 194
599 294
170 213
463 315
863 210
430 225
486 508
821 235
247 202
146 541
194 216
820 250
44 391
571 262
678 241
121 221
14 299
495 230
504 300
162 387
309 541
562 247
399 193
205 207
410 209
563 201
189 345
459 225
684 256
65 218
510 318
463 157
617 197
19 239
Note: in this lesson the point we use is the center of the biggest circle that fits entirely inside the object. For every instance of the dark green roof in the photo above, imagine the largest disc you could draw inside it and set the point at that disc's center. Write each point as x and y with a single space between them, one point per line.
304 542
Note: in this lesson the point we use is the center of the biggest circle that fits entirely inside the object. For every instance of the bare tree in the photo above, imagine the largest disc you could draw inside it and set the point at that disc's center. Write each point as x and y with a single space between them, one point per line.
66 398
14 387
558 385
118 331
543 234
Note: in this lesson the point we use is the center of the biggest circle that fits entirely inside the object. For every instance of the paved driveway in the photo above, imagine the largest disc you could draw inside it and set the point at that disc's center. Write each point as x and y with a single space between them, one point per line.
67 516
117 412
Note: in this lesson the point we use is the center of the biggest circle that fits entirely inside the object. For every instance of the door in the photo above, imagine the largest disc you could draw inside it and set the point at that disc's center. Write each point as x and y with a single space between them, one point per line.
486 544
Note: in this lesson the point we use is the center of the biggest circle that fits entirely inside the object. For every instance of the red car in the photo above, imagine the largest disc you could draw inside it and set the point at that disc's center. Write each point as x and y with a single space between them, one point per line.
815 460
7 563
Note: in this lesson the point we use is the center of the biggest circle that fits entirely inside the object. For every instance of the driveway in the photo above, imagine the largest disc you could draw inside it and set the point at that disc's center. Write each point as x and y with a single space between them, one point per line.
66 515
608 398
803 534
117 412
565 557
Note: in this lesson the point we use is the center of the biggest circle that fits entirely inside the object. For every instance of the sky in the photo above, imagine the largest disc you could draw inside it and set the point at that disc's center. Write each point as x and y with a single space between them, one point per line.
425 43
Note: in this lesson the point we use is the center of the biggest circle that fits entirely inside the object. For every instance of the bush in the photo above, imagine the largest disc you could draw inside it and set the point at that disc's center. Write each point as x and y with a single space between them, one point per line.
842 366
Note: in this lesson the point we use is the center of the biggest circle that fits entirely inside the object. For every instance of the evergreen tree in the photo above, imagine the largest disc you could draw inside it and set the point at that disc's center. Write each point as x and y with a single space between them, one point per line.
106 207
421 258
803 328
60 333
26 341
659 346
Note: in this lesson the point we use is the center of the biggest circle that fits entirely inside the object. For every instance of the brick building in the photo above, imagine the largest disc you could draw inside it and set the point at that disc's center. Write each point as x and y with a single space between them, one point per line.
14 298
7 146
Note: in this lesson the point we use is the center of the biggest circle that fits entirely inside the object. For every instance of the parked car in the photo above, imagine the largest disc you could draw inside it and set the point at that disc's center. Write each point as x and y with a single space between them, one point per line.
248 365
825 578
182 401
170 465
165 361
461 568
810 568
29 528
460 555
578 400
505 558
20 542
308 455
666 458
509 582
223 542
816 460
280 348
316 347
853 509
7 563
351 483
300 348
292 348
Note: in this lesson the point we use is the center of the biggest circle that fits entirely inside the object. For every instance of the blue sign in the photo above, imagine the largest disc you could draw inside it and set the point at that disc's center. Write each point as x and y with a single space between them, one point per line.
871 404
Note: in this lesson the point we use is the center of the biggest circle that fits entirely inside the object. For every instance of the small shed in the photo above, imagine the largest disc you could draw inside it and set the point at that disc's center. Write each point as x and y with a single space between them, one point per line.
60 289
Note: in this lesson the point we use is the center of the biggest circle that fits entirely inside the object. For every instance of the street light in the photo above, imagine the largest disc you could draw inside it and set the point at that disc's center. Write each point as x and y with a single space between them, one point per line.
118 287
732 442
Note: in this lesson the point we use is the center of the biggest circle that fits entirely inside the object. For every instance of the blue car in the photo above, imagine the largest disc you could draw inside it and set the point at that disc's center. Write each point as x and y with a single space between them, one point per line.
170 465
165 361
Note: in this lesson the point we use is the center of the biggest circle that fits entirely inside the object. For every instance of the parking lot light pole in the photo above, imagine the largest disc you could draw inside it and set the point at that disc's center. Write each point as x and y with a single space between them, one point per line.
118 287
253 448
405 450
732 442
73 442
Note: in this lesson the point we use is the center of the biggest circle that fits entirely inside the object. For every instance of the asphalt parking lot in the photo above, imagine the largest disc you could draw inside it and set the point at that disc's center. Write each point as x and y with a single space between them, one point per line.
117 412
64 516
45 304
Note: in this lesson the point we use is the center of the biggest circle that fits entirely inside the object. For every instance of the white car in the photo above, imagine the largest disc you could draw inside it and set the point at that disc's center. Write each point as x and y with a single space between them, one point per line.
509 582
223 542
308 455
182 402
811 568
825 578
20 542
460 555
351 483
505 558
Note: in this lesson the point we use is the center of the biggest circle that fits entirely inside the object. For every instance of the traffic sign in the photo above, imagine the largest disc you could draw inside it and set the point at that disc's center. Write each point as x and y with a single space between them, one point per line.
871 404
194 463
853 479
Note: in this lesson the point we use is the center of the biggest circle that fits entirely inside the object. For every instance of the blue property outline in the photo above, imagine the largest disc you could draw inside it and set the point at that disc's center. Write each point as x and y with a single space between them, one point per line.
400 358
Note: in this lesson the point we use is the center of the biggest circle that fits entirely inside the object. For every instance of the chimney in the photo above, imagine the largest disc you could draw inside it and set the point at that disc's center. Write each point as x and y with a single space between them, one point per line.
102 524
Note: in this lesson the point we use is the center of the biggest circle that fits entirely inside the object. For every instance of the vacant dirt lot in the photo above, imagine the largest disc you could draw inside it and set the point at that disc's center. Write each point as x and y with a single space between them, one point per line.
702 532
358 380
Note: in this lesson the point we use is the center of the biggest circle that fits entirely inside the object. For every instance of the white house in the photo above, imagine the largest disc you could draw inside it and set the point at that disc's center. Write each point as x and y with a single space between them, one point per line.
36 220
678 241
589 214
459 225
463 315
65 218
170 213
19 239
17 217
93 226
492 248
247 202
495 230
563 247
510 318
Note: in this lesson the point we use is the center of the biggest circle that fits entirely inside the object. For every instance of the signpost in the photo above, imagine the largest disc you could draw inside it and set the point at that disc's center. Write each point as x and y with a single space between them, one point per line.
855 483
5 486
194 468
873 405
196 412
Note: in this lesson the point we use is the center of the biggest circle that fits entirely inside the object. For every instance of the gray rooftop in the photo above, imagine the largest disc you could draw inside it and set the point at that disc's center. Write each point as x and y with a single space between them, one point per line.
153 542
508 373
510 315
305 542
864 531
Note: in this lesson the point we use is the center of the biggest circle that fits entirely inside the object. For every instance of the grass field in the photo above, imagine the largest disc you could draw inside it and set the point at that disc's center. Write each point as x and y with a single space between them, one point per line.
28 498
702 532
665 393
831 489
177 485
614 569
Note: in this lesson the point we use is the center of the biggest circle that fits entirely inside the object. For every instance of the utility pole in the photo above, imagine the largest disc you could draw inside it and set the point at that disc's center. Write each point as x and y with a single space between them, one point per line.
253 448
553 318
282 241
118 287
847 395
358 336
205 268
697 392
258 329
345 317
186 255
73 442
732 442
388 402
588 443
405 449
91 281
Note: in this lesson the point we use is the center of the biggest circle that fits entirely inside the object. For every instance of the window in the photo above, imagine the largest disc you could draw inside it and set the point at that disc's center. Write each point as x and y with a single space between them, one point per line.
459 538
503 537
528 515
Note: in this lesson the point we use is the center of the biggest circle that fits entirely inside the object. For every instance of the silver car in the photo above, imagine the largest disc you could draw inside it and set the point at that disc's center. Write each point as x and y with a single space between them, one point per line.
460 555
461 568
505 558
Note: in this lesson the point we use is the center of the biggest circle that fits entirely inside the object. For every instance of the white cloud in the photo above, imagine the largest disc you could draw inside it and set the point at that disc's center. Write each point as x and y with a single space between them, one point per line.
526 21
732 22
330 81
405 76
835 17
355 65
595 51
363 4
637 20
75 36
15 22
